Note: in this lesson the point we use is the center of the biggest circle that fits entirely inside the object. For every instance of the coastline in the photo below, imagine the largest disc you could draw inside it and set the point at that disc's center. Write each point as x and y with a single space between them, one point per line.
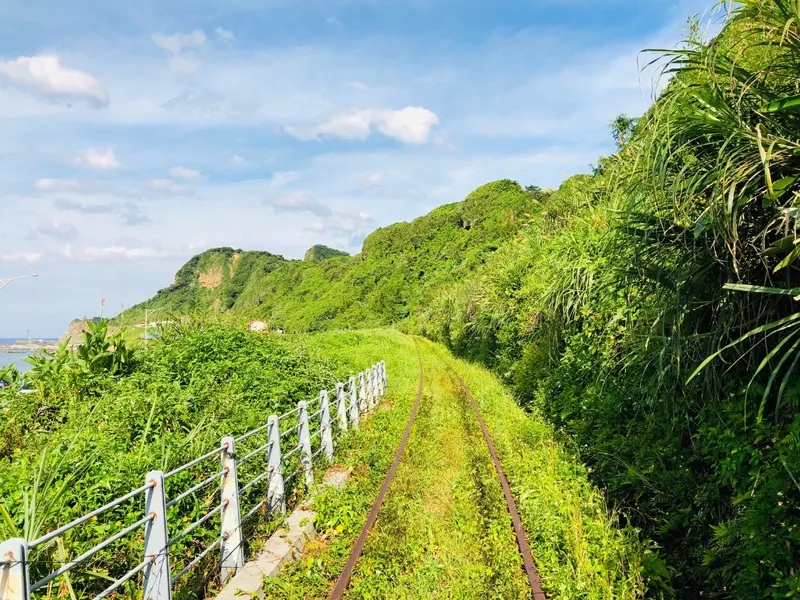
25 348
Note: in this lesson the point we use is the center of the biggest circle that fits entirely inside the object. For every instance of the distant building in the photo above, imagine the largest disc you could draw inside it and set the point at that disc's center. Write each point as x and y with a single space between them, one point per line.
257 326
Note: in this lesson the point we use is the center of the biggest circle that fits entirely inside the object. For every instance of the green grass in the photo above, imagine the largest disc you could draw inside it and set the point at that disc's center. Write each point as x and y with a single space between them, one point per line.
443 531
579 547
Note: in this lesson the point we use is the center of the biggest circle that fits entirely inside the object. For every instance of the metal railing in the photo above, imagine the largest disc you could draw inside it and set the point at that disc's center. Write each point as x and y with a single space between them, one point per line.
271 457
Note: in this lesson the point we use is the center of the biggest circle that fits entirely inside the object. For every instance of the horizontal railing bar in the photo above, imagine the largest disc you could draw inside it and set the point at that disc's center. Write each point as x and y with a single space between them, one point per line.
123 579
316 414
317 453
53 534
254 452
195 525
91 552
200 557
194 489
255 481
253 510
249 434
315 434
288 477
291 452
194 462
294 411
288 430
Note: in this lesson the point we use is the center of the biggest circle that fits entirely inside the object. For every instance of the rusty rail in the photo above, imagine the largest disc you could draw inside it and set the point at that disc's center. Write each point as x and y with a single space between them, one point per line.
537 593
347 573
519 530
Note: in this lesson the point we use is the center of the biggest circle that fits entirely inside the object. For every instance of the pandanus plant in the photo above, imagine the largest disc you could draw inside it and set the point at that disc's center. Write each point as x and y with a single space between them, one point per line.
712 201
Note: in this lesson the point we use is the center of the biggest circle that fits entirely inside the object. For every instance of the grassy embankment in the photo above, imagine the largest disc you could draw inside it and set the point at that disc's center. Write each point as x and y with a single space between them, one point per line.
443 530
98 422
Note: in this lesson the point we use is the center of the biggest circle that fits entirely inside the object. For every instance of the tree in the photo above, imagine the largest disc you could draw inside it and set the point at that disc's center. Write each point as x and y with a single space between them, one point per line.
622 128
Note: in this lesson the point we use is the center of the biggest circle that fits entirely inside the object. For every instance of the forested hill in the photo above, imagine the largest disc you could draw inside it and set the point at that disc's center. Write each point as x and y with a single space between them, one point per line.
399 270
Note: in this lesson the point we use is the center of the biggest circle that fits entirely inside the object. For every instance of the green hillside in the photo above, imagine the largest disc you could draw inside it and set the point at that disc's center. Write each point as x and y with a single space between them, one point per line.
400 268
320 252
213 280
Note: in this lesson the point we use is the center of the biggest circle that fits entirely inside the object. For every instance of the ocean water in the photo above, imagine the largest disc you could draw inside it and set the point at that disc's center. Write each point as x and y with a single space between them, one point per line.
9 358
15 358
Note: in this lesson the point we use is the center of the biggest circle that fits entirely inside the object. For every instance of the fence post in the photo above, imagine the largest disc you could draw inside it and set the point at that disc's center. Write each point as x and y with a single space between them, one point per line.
15 580
362 393
274 466
383 376
230 520
156 541
325 433
354 416
304 439
368 387
341 406
373 387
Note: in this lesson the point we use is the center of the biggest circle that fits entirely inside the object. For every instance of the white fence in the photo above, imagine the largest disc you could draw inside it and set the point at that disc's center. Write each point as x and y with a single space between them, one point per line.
307 432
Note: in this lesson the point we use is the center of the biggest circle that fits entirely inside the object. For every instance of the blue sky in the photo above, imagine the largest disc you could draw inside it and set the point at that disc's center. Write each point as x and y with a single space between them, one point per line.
134 135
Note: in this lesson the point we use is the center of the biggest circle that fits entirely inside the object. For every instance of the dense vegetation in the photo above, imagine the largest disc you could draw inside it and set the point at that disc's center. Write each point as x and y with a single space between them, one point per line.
679 254
96 424
320 252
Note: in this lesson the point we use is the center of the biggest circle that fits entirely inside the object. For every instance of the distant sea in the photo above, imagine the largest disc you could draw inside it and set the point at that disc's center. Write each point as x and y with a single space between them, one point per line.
8 358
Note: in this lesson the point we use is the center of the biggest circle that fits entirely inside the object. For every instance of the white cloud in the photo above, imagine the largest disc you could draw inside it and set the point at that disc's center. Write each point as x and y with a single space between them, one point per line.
185 173
183 65
112 252
411 125
122 252
299 202
22 257
129 212
168 186
349 227
224 35
239 160
358 85
43 75
374 180
103 160
178 41
48 184
111 189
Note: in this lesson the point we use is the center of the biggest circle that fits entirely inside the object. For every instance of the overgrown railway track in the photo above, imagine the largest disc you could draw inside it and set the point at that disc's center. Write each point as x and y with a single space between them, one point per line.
537 593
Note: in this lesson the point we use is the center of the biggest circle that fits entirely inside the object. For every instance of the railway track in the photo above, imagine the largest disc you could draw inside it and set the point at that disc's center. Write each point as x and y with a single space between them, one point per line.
537 593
